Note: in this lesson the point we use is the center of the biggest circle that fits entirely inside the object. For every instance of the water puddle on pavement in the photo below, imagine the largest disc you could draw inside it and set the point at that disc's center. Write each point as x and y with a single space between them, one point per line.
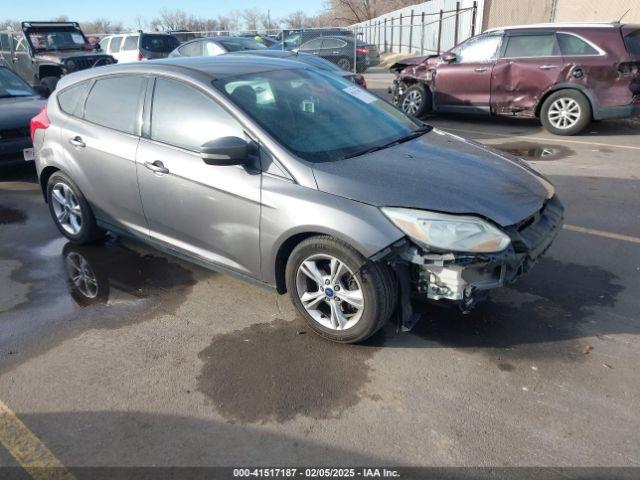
535 151
10 215
274 372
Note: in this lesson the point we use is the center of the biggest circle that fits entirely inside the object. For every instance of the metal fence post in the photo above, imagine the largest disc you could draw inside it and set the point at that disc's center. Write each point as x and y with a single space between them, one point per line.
385 36
411 32
422 36
440 31
474 13
455 34
391 49
355 52
399 35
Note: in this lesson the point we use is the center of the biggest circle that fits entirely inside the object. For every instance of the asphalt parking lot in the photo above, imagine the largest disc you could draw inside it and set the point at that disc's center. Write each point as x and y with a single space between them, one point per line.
174 365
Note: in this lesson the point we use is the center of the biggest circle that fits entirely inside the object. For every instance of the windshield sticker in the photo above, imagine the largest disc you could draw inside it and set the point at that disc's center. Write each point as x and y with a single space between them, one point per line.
308 106
360 94
77 38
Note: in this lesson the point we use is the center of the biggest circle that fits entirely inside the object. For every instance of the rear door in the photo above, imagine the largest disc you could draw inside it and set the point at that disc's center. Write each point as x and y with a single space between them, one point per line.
129 51
114 47
464 85
102 138
211 212
334 49
530 64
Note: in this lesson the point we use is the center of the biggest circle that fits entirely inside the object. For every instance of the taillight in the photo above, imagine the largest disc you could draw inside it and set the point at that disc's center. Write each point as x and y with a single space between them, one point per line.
140 56
40 121
362 51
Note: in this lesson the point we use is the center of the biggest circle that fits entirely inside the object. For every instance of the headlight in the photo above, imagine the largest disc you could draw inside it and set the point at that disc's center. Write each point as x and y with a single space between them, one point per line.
456 233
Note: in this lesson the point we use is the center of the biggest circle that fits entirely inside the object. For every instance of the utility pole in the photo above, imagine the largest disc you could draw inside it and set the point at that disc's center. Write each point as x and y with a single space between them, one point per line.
554 7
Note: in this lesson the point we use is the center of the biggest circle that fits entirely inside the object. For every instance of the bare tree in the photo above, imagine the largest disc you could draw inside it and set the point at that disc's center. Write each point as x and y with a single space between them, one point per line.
10 25
102 25
251 18
355 11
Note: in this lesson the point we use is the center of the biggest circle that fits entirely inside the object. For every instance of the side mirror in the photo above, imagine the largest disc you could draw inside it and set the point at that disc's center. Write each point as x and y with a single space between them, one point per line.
225 151
449 57
97 47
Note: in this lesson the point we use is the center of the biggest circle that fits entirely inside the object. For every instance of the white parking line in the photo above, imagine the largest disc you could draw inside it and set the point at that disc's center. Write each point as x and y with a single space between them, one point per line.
554 139
602 233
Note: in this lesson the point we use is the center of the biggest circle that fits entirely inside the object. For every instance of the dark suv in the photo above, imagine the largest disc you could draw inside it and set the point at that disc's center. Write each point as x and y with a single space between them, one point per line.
45 51
564 74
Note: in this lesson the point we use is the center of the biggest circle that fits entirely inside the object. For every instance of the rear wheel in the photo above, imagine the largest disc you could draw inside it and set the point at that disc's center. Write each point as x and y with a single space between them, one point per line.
415 100
566 112
341 295
344 63
70 210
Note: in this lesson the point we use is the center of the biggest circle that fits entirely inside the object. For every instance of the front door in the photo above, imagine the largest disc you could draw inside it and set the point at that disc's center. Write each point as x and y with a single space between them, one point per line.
464 84
531 63
210 212
103 145
22 63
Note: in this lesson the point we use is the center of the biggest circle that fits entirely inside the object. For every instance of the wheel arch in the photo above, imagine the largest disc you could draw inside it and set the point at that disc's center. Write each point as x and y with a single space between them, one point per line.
282 257
568 86
49 71
45 175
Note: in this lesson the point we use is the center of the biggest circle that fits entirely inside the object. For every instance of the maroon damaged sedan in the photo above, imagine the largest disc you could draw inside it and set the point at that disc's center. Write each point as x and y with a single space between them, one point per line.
564 74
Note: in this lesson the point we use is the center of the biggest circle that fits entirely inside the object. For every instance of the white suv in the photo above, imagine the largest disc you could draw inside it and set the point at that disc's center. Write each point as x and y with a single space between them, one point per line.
135 47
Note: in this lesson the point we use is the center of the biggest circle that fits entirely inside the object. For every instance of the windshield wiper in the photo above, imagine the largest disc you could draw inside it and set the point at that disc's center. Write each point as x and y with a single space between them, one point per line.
415 134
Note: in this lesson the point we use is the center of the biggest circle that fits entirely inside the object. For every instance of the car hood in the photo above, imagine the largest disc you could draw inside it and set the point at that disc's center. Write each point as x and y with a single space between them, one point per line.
17 112
440 172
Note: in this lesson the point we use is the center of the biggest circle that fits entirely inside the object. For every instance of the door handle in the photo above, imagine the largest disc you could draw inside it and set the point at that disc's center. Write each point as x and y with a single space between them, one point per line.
77 142
481 69
336 53
548 67
157 167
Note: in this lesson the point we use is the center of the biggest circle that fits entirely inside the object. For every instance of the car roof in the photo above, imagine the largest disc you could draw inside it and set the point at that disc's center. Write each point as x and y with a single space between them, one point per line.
555 26
221 66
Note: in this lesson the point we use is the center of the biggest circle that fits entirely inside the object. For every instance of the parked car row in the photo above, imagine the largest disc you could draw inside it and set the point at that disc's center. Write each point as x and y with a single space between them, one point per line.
564 74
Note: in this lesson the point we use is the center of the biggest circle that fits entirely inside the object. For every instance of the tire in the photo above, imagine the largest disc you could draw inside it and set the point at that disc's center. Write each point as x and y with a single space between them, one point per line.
416 101
565 112
373 286
49 83
79 231
344 63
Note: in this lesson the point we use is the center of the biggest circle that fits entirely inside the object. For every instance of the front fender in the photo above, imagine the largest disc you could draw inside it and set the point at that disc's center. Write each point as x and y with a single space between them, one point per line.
289 209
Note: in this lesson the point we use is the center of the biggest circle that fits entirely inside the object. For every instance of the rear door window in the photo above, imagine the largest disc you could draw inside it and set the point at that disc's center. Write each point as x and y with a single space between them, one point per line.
333 43
70 99
314 44
114 46
158 43
185 117
523 46
115 103
193 49
573 45
130 43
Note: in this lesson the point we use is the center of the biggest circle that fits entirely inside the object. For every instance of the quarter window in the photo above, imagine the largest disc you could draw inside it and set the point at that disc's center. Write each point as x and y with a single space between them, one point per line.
130 43
185 117
333 43
69 99
481 49
115 103
544 45
572 45
4 42
193 49
312 44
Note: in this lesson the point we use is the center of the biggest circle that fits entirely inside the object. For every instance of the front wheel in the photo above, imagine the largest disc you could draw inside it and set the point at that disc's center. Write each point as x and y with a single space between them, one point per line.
566 112
415 101
344 63
342 296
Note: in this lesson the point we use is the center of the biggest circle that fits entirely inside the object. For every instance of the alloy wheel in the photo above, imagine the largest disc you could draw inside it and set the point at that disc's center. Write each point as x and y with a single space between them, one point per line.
81 275
411 102
329 292
66 208
564 113
344 64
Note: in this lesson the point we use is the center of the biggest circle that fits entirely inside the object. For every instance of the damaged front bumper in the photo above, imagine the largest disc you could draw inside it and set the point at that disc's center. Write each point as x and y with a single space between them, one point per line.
465 278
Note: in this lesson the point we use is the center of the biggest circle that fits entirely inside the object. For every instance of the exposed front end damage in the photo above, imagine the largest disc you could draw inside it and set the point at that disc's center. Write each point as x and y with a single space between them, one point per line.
465 278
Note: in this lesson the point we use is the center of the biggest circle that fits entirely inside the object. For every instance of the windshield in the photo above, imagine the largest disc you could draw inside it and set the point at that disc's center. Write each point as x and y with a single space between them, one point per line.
632 41
237 44
316 115
13 86
159 43
57 39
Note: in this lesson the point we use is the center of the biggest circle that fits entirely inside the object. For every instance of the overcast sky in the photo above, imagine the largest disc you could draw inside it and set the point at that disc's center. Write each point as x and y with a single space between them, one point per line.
126 11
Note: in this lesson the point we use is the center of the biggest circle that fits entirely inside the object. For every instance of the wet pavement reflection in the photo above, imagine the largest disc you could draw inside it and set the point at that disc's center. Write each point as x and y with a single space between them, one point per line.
535 151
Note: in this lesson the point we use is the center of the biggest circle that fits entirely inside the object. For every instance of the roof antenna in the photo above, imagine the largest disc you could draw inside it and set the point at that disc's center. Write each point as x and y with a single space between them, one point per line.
623 15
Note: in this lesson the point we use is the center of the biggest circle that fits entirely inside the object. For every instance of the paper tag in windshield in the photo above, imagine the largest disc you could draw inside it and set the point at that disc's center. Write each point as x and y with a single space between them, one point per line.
77 38
360 94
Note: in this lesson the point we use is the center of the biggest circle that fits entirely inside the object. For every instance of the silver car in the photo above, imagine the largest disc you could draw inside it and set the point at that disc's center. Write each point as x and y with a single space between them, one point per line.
294 178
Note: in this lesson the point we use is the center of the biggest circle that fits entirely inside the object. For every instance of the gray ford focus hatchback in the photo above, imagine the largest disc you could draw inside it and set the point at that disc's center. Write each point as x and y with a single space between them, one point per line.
294 178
